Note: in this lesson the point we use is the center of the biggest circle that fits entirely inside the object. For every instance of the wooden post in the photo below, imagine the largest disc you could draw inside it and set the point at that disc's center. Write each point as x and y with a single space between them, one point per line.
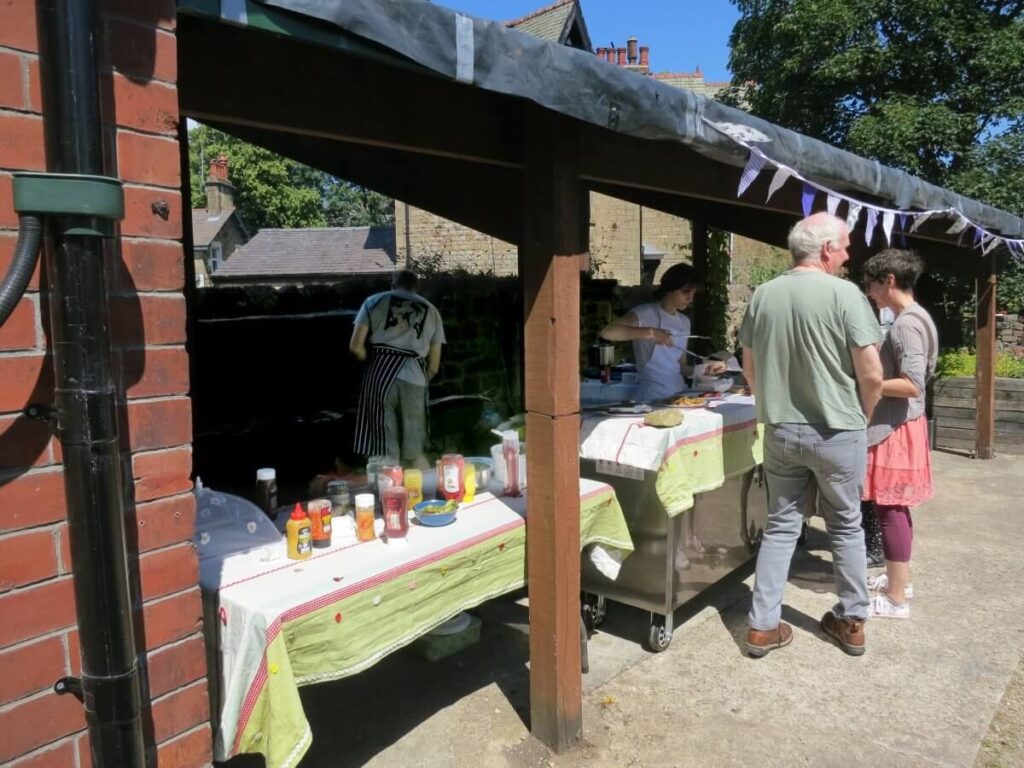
699 251
549 267
985 317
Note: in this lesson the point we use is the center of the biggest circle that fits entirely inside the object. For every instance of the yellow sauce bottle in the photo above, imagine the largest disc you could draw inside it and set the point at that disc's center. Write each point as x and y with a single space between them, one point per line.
469 482
299 534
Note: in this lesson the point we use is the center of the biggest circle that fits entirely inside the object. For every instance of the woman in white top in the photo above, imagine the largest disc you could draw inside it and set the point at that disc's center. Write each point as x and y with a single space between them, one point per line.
660 332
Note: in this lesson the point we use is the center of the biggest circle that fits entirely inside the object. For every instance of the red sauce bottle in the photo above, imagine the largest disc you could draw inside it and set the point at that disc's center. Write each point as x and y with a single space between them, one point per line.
449 484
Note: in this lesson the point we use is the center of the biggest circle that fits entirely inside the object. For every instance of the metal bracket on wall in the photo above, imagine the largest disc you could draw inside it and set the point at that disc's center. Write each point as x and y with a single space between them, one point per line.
95 202
38 412
72 685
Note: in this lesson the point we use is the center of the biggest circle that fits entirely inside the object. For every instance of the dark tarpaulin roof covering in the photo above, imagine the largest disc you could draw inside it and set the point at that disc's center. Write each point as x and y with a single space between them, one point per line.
579 85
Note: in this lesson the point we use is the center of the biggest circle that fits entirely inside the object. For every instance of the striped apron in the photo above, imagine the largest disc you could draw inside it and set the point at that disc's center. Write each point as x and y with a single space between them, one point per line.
382 369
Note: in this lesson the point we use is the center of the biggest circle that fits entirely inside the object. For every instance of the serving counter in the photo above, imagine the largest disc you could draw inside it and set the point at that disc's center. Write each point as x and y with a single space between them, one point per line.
275 624
693 497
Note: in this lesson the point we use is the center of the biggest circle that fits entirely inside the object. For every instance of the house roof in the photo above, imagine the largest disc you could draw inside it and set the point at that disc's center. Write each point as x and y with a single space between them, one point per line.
553 22
205 227
693 81
325 252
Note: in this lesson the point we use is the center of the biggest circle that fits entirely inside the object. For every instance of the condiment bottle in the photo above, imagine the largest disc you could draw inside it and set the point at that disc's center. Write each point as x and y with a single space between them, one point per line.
364 517
413 482
320 522
395 503
450 482
510 453
469 482
389 476
300 537
337 494
266 490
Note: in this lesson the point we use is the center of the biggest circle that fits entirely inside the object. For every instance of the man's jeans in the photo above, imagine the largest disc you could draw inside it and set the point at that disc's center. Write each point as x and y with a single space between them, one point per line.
793 453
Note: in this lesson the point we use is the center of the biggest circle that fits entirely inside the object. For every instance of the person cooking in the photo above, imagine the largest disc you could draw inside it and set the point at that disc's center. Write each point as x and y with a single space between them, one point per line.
660 332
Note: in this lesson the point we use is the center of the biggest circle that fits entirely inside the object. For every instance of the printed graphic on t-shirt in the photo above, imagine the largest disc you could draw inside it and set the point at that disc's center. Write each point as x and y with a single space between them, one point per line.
406 313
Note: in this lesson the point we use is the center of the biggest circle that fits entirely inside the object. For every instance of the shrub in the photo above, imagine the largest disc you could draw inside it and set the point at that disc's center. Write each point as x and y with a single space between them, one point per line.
964 362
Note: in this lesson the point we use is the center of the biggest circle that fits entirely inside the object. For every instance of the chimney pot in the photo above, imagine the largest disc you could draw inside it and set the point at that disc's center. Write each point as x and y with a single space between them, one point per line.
631 44
621 57
645 55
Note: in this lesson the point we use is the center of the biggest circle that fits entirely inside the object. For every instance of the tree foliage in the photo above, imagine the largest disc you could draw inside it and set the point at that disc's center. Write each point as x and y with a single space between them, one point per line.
275 192
934 87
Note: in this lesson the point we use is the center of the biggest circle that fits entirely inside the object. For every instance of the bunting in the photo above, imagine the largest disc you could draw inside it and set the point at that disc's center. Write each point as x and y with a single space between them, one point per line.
754 165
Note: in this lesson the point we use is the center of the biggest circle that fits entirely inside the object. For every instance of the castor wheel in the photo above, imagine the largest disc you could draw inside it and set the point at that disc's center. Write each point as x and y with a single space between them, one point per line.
658 639
595 609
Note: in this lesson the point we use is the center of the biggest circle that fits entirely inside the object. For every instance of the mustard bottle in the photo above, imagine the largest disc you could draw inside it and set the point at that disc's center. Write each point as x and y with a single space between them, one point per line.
469 483
299 534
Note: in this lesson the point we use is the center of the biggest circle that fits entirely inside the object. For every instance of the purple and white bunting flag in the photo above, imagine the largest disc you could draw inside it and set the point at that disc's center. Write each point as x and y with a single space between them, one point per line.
869 226
888 219
832 203
807 199
754 165
780 177
853 214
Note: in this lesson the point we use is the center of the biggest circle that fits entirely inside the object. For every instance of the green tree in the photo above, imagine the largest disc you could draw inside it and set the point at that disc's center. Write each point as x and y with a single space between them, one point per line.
934 87
275 192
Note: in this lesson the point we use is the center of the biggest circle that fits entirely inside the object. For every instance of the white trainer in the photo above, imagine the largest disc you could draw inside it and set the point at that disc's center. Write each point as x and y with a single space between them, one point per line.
881 607
880 584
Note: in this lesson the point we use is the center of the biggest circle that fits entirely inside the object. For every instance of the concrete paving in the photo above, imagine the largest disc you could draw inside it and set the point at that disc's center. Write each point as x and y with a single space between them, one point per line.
923 694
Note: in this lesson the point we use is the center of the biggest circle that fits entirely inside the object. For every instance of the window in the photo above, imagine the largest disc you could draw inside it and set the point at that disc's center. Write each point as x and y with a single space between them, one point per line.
216 257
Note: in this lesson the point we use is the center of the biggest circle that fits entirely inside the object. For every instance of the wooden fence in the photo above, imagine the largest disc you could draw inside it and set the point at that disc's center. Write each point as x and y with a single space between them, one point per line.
954 407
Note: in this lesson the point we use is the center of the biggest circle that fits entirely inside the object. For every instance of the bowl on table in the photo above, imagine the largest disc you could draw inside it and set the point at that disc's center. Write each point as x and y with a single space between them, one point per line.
483 467
435 512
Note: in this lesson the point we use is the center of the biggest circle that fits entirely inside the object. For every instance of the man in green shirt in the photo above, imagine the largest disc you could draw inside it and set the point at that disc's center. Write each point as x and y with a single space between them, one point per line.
809 355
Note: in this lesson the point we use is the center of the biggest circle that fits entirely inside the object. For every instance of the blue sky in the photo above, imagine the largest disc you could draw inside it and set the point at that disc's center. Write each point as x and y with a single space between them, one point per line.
682 33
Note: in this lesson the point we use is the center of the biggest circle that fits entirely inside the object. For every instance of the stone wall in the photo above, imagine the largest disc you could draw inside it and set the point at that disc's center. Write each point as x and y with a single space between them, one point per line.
1010 331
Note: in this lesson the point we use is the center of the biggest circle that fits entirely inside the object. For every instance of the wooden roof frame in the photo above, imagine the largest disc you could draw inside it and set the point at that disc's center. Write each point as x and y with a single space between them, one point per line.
510 169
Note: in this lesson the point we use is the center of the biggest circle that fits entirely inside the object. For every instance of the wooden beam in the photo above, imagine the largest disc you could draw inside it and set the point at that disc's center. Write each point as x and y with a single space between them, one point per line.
985 375
549 263
699 243
486 198
318 91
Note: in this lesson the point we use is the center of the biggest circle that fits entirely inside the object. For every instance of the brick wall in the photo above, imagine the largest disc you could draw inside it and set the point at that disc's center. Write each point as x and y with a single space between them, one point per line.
38 635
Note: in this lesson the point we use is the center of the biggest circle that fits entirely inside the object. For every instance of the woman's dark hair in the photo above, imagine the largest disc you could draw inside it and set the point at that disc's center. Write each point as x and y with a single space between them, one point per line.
676 277
405 280
905 267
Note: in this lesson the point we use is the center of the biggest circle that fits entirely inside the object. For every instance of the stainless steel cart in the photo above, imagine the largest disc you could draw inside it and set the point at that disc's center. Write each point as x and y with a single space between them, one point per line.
675 558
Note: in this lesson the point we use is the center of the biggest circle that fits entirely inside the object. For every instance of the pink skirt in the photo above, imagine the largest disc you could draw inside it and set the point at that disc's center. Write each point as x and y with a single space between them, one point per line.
900 467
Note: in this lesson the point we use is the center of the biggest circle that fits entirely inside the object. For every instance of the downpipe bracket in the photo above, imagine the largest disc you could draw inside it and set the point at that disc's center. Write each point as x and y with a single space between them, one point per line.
72 685
99 200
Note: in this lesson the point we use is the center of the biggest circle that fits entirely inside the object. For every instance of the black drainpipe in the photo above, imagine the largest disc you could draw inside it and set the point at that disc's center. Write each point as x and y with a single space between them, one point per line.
80 207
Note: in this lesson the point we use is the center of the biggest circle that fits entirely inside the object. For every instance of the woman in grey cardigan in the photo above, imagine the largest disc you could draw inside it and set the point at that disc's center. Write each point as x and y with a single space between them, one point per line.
899 473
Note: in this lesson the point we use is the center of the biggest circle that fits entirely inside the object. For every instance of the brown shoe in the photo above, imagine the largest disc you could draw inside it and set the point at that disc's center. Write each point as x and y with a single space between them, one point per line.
760 641
848 633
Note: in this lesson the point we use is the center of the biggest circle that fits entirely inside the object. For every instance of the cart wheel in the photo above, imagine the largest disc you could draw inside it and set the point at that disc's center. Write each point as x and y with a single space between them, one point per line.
595 609
657 638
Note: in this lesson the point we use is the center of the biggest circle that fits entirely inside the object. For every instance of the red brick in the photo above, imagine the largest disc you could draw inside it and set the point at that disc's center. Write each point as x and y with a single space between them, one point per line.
168 571
64 566
180 711
74 654
156 371
26 558
30 612
24 442
159 423
164 522
147 106
155 13
60 756
8 218
37 722
30 668
19 332
163 473
172 619
12 86
33 499
26 379
175 666
140 219
142 51
7 242
21 142
35 86
194 748
18 24
148 159
162 320
150 266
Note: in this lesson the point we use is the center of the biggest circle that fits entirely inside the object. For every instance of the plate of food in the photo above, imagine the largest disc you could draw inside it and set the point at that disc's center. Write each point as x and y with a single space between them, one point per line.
694 401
